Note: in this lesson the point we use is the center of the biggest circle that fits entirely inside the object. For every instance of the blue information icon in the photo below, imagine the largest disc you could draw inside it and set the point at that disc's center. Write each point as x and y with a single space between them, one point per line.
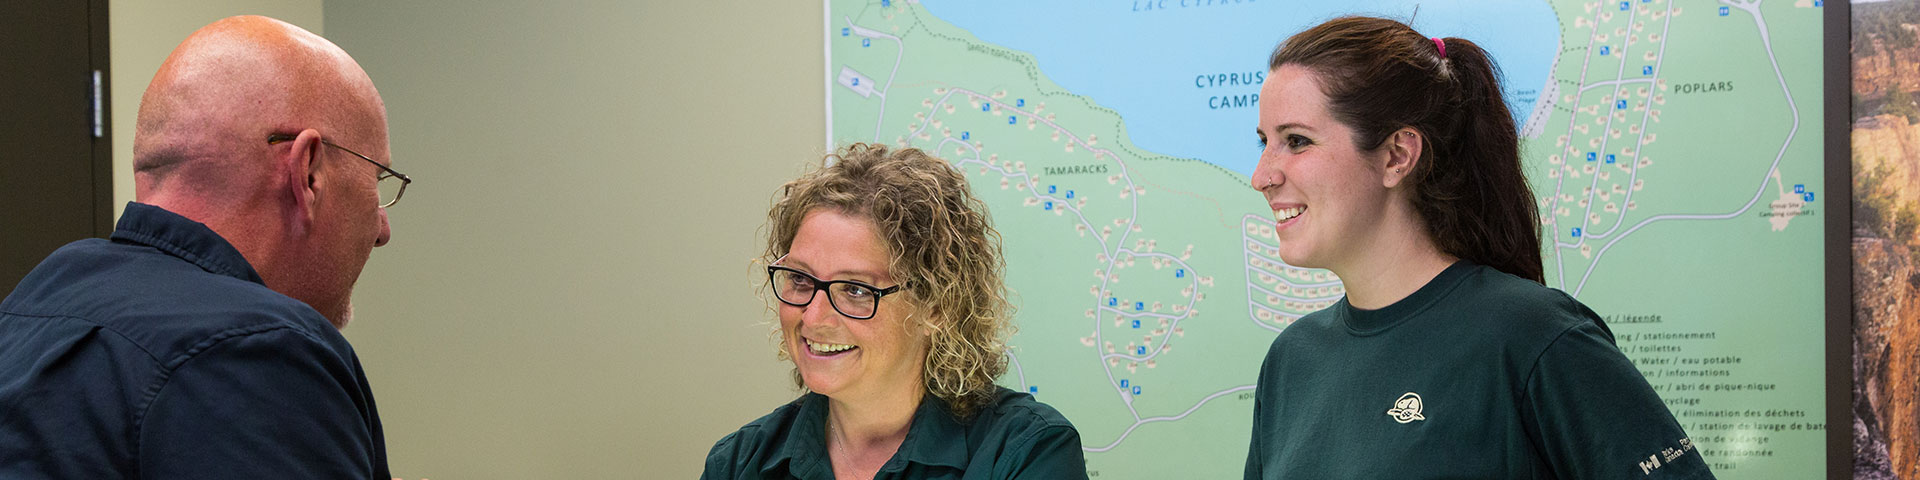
1180 273
1799 188
866 42
984 106
1136 323
1053 188
1136 389
846 31
1123 383
966 135
1112 302
1020 102
1809 196
1646 70
1592 156
1138 306
1069 193
1724 11
1049 205
1141 350
1620 104
1606 49
1012 119
1576 232
1033 389
1623 6
1610 159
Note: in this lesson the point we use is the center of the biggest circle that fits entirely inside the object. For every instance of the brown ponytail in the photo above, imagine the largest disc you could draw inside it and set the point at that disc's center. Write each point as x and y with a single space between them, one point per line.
1380 76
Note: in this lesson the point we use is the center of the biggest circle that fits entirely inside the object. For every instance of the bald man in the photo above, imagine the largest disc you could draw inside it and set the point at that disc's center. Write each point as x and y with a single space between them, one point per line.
202 340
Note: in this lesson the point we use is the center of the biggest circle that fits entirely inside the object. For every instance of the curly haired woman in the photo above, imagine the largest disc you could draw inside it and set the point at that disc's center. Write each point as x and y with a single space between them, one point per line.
899 357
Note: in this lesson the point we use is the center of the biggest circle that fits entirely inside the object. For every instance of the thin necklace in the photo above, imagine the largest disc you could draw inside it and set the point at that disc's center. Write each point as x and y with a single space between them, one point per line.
838 443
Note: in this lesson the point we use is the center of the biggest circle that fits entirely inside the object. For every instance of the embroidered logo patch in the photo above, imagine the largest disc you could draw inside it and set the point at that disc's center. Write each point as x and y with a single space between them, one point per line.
1406 409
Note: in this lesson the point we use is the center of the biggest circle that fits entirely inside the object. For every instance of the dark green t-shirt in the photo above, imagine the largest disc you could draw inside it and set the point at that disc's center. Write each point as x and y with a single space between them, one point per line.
1015 437
1479 374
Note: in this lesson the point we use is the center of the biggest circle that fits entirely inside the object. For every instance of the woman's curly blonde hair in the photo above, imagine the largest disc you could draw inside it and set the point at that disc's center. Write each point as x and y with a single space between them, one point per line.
942 246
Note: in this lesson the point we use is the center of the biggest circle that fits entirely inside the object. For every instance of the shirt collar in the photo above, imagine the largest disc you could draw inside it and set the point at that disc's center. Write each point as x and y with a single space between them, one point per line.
182 237
1370 322
805 448
934 438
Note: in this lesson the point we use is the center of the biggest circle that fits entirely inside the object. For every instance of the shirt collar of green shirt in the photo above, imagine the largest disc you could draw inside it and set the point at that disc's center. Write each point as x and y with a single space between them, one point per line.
935 439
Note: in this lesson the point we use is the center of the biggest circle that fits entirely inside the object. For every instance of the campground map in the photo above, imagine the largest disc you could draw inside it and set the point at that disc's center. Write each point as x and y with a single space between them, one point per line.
1674 147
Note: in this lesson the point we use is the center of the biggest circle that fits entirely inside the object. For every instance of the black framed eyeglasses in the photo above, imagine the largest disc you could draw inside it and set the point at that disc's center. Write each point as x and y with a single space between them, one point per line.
390 192
855 300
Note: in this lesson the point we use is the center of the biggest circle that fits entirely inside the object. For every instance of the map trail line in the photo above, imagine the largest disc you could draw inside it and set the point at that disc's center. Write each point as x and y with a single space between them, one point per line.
901 53
1646 116
1144 421
1586 61
1560 180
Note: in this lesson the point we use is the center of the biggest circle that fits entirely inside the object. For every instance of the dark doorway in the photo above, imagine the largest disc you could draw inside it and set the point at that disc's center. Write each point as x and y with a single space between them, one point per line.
56 182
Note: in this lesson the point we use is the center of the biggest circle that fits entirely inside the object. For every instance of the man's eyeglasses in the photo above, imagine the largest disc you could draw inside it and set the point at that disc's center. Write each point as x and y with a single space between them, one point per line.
855 300
390 192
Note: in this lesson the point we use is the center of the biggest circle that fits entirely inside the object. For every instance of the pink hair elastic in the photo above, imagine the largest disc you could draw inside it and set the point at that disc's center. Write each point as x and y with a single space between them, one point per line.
1442 45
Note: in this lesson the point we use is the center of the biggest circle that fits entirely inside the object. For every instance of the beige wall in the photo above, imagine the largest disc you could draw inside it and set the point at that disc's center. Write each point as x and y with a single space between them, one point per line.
567 293
140 35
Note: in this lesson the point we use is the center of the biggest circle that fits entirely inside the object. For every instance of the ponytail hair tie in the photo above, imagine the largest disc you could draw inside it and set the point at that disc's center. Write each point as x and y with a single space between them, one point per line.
1442 45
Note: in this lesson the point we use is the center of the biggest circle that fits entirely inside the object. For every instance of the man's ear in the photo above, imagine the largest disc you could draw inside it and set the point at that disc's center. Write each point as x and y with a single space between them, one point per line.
296 167
1403 149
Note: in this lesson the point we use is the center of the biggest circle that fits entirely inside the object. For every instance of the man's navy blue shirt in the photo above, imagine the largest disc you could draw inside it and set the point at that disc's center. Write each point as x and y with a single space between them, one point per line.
161 354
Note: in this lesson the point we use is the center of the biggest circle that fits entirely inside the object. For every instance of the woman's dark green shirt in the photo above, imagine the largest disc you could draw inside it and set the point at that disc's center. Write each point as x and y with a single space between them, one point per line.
1014 437
1478 374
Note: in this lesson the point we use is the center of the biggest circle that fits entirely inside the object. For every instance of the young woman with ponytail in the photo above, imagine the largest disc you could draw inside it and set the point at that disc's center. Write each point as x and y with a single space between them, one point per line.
1391 159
